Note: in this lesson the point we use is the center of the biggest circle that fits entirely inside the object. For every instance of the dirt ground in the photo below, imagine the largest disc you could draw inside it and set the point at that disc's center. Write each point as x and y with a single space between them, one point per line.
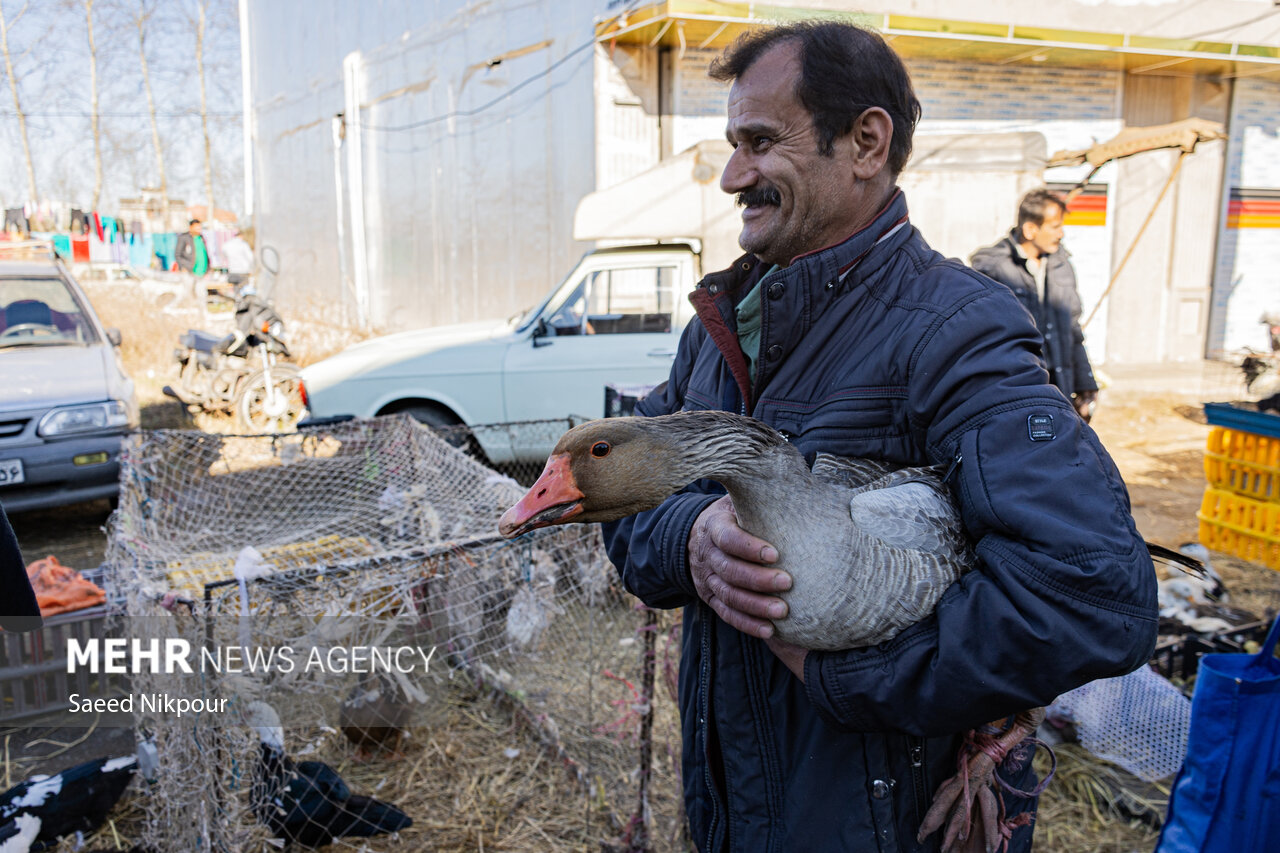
1155 431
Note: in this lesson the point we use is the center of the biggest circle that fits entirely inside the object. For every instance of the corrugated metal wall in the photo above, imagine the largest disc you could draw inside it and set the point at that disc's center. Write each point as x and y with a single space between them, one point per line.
473 123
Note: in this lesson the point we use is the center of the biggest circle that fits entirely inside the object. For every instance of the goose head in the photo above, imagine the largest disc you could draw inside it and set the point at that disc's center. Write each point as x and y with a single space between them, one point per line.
608 469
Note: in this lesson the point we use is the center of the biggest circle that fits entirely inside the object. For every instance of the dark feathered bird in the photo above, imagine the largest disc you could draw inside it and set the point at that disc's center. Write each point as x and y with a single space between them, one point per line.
374 715
36 813
307 802
1252 367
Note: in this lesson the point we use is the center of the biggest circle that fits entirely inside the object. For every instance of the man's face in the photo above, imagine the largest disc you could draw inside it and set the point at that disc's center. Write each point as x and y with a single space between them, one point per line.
794 199
1046 237
195 228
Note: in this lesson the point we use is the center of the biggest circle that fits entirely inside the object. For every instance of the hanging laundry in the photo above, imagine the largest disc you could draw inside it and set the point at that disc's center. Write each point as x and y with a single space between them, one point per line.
15 219
141 252
80 248
97 225
62 245
165 246
99 251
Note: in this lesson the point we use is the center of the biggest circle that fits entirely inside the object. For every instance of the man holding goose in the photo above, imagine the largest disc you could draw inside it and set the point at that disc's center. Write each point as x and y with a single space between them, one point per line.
844 332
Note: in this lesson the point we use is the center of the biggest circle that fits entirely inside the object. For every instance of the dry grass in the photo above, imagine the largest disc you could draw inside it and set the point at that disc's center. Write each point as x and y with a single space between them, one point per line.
151 319
1091 806
472 779
149 324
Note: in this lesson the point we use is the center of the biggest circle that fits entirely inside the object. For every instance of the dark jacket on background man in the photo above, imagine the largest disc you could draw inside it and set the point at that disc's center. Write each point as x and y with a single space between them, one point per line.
1058 320
184 252
912 359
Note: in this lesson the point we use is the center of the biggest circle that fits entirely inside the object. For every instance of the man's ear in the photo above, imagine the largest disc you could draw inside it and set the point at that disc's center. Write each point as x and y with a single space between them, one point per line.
1028 231
871 137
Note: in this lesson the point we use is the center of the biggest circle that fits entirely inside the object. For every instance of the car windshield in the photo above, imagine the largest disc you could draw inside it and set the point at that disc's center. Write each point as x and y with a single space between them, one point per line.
42 311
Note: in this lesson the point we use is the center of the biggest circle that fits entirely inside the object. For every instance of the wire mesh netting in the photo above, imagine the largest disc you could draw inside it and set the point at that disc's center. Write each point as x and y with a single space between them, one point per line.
1139 721
344 594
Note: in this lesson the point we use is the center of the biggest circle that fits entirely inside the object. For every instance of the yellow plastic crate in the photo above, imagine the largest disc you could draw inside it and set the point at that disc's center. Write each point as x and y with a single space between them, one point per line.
1244 463
1240 526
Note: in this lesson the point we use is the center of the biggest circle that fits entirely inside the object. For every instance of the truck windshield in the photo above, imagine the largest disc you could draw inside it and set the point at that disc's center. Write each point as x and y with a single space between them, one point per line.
41 311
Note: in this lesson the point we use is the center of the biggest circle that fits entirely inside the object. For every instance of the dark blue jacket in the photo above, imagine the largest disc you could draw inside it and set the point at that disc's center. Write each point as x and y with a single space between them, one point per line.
1058 316
913 359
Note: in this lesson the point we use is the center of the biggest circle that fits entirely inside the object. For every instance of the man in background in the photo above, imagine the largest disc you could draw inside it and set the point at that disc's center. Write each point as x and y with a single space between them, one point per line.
1032 263
239 257
190 254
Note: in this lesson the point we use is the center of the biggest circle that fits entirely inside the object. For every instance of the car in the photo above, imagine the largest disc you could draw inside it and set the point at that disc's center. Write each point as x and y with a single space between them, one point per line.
615 320
66 402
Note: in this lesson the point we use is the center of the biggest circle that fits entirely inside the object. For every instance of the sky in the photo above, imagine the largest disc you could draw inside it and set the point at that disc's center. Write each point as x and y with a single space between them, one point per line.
49 48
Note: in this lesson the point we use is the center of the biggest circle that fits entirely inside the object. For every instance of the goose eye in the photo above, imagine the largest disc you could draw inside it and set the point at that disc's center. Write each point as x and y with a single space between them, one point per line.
600 448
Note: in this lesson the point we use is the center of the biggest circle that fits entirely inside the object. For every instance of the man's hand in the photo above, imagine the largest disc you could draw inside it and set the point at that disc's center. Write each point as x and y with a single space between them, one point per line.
729 571
1085 401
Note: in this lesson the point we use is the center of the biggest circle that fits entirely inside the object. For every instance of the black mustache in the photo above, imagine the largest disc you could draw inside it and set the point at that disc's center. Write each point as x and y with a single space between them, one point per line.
757 196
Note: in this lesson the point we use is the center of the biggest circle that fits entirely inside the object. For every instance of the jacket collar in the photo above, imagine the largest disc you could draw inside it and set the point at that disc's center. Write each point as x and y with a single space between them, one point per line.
798 293
864 251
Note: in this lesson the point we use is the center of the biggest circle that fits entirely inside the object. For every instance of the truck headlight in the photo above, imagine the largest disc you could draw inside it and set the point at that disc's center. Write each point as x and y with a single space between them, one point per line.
67 420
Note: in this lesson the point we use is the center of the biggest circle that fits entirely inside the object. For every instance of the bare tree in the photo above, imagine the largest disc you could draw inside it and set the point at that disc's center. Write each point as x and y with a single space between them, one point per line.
5 25
202 8
93 105
141 18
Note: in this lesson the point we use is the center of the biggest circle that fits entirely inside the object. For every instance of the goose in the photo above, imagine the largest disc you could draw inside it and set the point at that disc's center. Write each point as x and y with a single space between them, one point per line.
35 813
307 802
898 528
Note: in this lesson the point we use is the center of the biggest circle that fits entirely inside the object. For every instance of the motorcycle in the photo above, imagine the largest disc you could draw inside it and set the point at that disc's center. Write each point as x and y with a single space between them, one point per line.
242 372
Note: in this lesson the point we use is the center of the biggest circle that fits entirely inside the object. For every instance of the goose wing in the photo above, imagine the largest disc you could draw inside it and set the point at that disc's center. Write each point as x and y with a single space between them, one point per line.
909 509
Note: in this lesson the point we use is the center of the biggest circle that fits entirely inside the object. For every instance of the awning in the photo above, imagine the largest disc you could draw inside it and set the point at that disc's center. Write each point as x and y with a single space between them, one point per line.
678 198
686 24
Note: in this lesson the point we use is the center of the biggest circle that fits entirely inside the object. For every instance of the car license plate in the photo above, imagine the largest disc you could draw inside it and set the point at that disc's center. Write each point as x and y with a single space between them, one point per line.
11 472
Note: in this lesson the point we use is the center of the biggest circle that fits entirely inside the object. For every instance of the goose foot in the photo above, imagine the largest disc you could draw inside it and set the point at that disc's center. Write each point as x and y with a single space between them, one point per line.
967 802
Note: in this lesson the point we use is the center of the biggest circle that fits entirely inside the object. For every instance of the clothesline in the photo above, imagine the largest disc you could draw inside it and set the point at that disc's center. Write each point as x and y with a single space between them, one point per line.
83 236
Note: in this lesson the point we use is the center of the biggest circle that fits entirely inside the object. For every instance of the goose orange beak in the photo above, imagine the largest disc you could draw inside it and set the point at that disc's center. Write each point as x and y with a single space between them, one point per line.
554 499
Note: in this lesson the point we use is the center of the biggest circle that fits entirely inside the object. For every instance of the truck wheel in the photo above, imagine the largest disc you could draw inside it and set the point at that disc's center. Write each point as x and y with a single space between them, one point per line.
449 427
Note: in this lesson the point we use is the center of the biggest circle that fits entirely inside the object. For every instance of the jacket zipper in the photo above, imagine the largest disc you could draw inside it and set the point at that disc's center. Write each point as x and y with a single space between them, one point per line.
704 710
916 749
951 469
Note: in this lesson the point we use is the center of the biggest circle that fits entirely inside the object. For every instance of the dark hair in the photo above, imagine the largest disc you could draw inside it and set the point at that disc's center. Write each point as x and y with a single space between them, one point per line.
194 222
845 70
1031 208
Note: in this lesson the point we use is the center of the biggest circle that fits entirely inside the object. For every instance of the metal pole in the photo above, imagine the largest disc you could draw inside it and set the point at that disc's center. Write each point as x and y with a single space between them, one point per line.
246 97
339 133
355 175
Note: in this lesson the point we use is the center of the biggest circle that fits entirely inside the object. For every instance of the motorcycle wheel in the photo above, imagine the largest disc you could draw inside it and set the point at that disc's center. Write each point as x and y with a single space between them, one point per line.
261 409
